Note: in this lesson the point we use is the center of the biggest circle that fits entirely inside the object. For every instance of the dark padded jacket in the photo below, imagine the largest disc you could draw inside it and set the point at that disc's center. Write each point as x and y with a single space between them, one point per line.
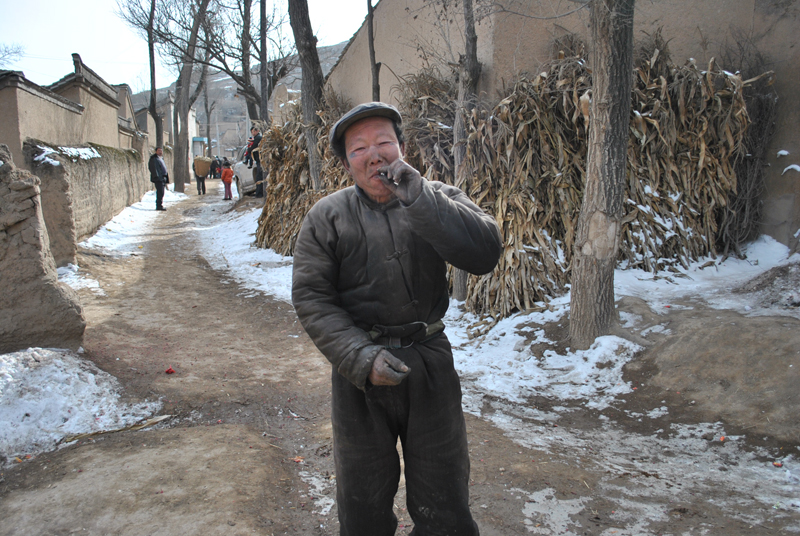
158 169
358 263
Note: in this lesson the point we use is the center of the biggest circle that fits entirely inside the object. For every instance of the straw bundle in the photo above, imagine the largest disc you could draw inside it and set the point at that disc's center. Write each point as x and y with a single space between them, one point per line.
289 192
525 161
426 101
525 164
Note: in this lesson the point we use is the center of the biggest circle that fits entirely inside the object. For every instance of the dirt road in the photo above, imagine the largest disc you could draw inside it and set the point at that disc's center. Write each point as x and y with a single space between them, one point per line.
248 447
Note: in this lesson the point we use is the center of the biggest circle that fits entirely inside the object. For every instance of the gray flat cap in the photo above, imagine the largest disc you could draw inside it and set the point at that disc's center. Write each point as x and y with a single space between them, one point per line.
368 109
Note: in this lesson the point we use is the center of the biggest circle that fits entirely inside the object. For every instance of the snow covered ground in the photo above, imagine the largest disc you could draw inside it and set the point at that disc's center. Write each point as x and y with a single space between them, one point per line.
48 396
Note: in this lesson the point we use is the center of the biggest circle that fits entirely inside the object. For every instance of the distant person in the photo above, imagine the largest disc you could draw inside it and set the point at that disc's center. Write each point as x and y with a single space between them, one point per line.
248 159
254 154
201 166
216 168
227 179
158 176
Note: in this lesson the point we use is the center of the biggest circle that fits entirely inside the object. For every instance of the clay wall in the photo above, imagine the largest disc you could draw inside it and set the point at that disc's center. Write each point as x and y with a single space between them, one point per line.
407 38
35 309
81 194
29 110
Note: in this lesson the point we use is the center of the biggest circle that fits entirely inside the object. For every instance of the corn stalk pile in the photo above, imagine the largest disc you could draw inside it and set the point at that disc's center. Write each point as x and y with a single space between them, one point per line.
426 101
526 161
526 166
289 192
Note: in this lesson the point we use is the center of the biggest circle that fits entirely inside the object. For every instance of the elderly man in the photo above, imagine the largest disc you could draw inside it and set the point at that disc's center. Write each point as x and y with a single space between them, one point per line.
158 176
370 289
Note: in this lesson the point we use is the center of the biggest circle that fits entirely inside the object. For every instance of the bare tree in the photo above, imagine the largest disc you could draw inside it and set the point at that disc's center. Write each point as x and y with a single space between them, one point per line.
182 38
142 16
177 26
592 311
227 37
265 89
376 66
10 53
469 71
311 85
233 47
209 109
151 49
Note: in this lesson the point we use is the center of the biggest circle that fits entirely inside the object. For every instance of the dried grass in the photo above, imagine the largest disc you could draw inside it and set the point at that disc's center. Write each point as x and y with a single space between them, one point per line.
525 164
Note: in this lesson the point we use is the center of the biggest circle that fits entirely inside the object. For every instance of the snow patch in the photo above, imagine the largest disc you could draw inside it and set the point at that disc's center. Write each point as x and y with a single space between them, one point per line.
48 395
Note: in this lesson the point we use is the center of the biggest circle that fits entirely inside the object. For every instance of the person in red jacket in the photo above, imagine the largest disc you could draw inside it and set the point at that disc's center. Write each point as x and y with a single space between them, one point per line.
227 179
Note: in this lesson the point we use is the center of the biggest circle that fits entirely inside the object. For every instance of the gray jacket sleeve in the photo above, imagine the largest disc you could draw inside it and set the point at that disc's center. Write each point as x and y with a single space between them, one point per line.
460 232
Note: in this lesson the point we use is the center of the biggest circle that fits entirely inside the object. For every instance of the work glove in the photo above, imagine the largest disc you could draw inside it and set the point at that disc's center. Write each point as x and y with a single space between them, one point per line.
387 369
403 180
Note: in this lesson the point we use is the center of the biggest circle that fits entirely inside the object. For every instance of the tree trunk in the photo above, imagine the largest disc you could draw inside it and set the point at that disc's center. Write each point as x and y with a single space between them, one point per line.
251 98
311 87
469 72
265 89
184 98
376 67
252 110
592 312
209 109
153 109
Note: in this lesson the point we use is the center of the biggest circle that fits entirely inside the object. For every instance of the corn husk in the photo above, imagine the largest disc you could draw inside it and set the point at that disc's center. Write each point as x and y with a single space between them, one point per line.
525 165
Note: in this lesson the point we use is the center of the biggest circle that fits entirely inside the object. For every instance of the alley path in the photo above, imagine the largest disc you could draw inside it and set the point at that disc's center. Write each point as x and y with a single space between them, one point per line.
248 449
248 396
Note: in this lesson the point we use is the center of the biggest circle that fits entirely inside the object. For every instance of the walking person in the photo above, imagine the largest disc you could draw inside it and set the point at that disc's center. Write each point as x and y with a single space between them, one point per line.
158 176
216 168
201 166
227 179
370 288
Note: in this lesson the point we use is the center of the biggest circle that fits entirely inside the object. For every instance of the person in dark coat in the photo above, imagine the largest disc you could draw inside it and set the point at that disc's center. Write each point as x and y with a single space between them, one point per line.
158 176
370 288
253 155
216 166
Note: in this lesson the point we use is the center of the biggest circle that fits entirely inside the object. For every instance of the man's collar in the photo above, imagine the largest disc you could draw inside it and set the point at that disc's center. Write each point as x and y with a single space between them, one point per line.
373 204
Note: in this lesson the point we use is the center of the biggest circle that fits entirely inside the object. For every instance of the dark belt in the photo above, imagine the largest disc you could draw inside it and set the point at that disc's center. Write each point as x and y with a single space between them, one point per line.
405 335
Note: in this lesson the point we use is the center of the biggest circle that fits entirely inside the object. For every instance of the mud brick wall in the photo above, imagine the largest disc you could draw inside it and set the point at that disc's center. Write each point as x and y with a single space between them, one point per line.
35 309
81 194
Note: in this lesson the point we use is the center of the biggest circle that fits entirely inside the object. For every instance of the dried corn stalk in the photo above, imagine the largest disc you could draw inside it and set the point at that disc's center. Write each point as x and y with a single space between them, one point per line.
289 193
526 165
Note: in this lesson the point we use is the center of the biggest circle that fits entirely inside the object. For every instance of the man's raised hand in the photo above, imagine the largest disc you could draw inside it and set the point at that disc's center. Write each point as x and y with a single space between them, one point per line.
403 180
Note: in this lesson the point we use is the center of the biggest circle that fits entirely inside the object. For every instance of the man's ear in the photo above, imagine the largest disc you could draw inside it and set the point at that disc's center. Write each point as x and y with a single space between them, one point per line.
403 149
346 165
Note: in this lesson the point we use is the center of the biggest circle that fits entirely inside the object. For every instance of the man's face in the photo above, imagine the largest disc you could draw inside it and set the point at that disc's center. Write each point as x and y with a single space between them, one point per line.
160 151
369 145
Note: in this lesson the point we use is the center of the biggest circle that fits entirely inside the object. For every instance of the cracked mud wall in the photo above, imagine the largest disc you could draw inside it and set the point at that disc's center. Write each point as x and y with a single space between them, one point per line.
35 309
80 194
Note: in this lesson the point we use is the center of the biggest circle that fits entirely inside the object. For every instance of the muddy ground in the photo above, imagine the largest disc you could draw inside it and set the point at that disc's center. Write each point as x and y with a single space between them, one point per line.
248 447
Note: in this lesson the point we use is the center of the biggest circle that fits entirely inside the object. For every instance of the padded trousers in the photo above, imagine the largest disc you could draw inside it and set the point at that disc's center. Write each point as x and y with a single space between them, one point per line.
160 186
424 411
